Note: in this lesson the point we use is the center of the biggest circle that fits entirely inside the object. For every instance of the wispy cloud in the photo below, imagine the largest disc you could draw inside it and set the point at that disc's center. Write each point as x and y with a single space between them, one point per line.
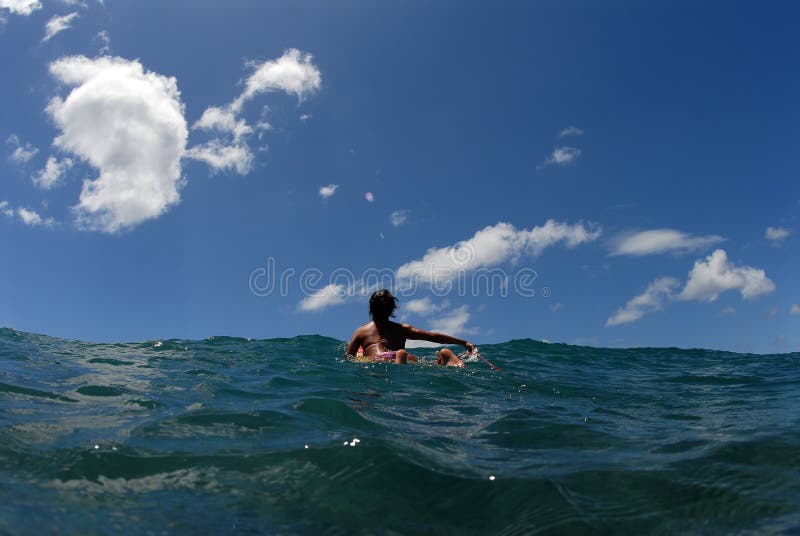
105 42
221 157
399 217
22 153
561 156
329 295
795 310
422 306
662 241
293 73
487 248
48 177
58 24
26 216
650 300
492 246
570 131
327 191
776 235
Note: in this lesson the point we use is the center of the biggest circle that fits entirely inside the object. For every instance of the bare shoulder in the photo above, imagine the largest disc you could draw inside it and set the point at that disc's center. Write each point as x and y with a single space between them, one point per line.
410 330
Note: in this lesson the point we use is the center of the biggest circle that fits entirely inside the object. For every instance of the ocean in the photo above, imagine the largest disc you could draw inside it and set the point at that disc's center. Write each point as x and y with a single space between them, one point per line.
281 436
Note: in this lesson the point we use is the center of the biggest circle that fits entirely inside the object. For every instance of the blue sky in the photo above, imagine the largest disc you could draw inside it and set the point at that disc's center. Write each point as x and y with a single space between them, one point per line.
640 159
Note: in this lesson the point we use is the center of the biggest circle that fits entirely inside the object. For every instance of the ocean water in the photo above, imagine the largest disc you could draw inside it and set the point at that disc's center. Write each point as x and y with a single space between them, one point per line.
280 436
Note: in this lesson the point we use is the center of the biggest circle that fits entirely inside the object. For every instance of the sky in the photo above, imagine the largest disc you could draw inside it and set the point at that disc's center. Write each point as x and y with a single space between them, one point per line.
610 174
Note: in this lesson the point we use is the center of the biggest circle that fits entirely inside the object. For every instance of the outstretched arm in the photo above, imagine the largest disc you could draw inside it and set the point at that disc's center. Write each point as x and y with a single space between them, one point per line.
432 336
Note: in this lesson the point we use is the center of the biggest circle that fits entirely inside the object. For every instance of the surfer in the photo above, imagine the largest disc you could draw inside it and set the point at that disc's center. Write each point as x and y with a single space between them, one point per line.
385 340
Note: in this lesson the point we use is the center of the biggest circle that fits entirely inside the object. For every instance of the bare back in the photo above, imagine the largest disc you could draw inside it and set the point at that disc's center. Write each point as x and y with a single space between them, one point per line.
380 337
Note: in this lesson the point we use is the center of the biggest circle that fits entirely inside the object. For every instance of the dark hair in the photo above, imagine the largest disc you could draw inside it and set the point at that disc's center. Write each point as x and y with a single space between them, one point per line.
382 304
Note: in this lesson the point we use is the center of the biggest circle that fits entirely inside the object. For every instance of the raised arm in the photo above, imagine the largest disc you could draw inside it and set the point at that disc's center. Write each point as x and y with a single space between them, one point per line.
432 336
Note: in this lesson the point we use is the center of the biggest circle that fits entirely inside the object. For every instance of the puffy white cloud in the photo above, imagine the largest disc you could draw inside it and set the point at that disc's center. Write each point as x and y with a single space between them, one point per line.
571 131
21 153
48 177
32 218
777 235
327 191
399 217
662 241
715 275
305 117
562 156
332 294
492 246
795 310
222 157
127 123
21 7
58 24
650 300
293 73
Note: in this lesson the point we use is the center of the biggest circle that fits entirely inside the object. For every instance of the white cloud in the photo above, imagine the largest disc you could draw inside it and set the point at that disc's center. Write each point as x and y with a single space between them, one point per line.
562 156
492 246
454 322
22 153
662 241
650 300
421 306
105 41
293 73
489 247
399 217
21 7
777 235
32 218
58 24
221 157
332 294
6 209
223 120
305 117
728 310
571 131
48 177
709 278
795 310
327 191
128 123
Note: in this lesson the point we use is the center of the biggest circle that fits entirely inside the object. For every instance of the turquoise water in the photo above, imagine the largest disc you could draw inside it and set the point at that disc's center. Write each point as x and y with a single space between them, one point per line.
229 435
